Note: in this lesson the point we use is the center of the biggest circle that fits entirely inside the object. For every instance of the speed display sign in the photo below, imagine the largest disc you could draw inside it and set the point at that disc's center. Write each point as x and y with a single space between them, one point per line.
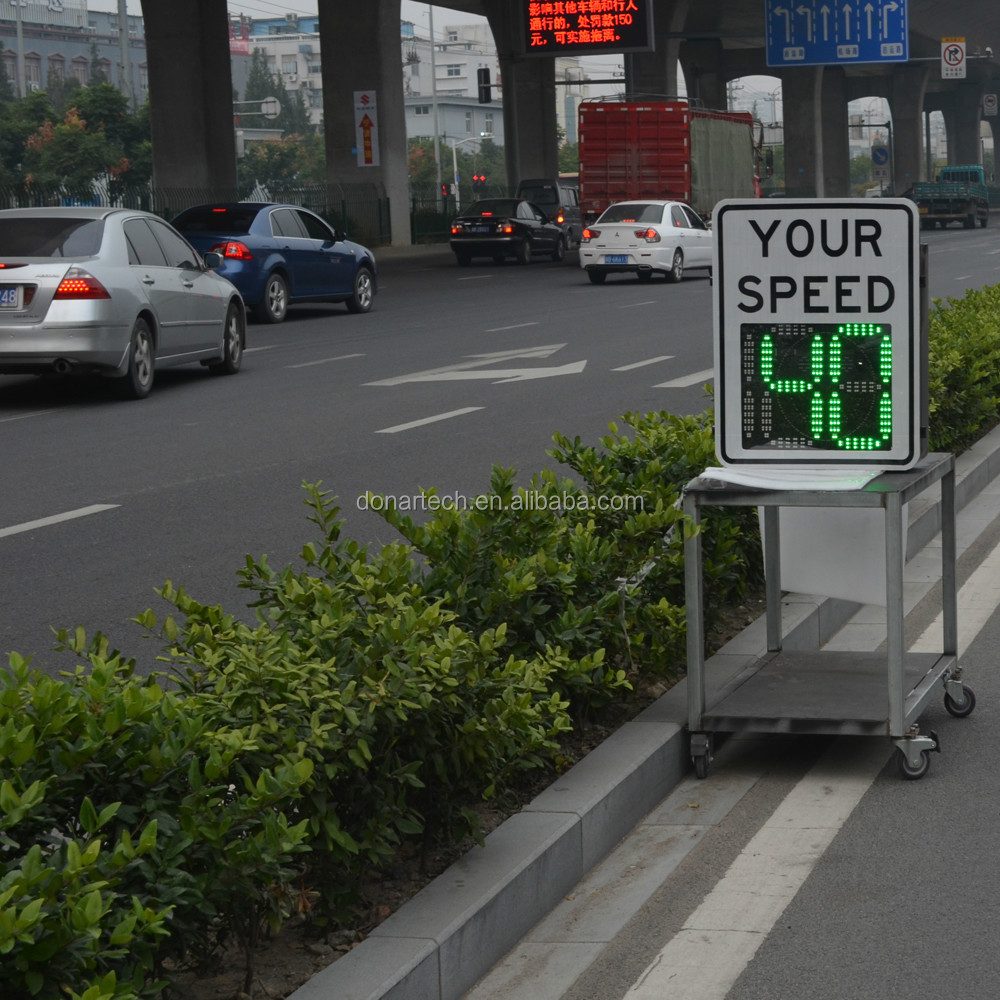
817 333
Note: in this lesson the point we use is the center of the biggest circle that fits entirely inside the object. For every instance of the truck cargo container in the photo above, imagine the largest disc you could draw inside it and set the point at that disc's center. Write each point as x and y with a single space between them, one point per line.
632 150
958 195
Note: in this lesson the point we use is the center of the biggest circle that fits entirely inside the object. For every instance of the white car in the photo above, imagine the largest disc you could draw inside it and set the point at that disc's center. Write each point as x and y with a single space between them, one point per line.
113 292
645 238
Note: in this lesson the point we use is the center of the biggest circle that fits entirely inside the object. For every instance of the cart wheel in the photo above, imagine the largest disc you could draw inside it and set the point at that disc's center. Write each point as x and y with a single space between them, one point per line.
960 709
701 767
909 772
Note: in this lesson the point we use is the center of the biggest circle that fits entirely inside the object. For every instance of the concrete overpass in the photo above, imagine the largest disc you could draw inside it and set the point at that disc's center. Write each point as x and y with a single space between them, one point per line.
711 43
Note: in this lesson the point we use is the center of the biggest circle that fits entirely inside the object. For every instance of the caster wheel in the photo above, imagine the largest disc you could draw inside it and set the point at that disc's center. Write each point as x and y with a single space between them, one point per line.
960 709
907 770
701 767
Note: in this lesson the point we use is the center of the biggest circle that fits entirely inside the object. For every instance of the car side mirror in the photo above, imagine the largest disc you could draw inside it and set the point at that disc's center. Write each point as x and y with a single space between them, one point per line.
213 260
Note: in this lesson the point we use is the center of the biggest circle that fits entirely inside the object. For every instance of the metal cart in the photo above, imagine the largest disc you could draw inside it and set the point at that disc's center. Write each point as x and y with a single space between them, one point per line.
827 691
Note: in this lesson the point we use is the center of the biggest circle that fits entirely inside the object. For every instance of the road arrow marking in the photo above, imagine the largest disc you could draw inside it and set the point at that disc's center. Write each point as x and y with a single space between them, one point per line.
464 369
642 364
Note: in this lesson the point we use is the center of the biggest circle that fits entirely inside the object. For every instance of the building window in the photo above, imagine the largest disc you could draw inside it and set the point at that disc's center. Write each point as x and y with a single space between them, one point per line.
468 122
453 70
81 70
488 123
422 109
289 64
452 35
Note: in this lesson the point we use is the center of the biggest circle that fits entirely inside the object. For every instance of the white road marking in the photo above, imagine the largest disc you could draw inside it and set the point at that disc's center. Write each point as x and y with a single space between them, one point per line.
323 361
718 940
265 347
504 374
516 326
44 522
24 416
687 380
428 420
473 361
976 602
631 305
641 364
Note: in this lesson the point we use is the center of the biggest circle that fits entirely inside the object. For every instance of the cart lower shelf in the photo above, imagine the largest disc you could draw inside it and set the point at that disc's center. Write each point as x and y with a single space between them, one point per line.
820 692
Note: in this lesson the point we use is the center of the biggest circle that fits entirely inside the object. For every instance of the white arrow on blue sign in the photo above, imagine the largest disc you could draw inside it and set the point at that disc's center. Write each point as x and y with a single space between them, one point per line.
820 32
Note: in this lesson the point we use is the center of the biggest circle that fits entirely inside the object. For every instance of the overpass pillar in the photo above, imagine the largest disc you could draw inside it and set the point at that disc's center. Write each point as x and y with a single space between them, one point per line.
909 84
835 159
531 139
961 108
361 56
702 65
802 90
191 101
654 74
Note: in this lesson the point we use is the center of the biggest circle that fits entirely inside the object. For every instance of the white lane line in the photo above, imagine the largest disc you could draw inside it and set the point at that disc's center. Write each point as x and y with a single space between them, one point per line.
429 420
977 600
722 935
265 347
44 522
24 416
686 380
642 364
516 326
631 305
323 361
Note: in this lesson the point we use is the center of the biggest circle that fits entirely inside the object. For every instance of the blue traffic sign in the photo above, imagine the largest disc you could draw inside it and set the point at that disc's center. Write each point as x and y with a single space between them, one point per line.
822 32
880 155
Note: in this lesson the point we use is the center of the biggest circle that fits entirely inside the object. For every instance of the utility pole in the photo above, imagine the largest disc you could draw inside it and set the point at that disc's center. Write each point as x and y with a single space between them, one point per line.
434 105
20 53
124 66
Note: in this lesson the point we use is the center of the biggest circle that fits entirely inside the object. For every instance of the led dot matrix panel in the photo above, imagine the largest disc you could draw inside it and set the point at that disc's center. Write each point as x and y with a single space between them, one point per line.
817 385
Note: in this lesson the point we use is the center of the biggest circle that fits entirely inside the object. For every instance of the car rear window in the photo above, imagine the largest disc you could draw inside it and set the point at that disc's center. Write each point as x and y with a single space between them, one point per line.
541 194
633 213
499 206
215 220
52 236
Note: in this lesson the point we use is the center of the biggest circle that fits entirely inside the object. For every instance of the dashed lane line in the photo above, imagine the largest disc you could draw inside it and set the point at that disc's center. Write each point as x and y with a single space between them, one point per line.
44 522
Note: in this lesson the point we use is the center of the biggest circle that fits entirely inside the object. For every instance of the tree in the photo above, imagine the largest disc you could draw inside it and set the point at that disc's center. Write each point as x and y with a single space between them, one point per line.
291 160
569 158
261 84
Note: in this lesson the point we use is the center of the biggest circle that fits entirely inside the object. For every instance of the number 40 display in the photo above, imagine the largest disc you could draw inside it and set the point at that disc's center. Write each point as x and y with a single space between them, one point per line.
817 385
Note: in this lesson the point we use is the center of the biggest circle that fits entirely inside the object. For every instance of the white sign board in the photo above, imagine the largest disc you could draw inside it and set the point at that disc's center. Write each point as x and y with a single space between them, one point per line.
366 128
817 333
952 58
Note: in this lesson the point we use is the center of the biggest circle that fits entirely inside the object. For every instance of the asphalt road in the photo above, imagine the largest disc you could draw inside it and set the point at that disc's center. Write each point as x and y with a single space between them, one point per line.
455 370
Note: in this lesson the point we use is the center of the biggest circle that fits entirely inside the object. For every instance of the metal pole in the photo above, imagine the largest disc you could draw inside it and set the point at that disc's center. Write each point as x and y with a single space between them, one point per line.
124 68
434 105
20 53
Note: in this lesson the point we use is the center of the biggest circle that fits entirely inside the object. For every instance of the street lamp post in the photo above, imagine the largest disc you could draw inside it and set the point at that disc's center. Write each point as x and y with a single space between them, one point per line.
455 143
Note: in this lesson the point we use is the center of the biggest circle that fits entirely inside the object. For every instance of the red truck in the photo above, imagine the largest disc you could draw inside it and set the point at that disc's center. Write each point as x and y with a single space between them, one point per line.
665 149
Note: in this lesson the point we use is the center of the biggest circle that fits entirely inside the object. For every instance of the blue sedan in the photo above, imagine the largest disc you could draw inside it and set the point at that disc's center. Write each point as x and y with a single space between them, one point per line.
277 255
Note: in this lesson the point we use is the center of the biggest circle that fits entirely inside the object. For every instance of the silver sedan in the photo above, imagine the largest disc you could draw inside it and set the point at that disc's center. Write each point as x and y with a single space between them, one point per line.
111 291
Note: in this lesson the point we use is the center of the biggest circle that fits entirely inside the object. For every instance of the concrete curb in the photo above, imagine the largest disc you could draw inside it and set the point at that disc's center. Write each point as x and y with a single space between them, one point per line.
458 927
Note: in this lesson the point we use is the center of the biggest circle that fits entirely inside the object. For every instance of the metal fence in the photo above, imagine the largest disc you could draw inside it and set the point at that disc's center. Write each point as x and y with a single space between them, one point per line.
360 212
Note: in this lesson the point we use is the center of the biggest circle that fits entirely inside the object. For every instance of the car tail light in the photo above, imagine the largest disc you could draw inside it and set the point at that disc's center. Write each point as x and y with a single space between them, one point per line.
80 284
456 229
590 234
560 216
234 250
649 235
508 227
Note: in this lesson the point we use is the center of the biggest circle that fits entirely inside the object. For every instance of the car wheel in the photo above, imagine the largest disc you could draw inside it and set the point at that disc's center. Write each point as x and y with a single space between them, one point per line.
275 305
676 271
463 258
233 340
363 296
560 251
138 379
524 252
596 277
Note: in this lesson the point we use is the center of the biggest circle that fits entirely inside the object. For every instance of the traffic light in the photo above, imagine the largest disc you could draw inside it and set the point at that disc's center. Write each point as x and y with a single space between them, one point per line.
479 183
444 190
485 90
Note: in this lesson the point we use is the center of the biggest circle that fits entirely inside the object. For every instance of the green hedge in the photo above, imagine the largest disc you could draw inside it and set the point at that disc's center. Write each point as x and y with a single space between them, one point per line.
375 696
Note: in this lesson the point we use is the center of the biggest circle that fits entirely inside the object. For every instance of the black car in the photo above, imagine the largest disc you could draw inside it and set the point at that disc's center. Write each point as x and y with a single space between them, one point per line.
505 227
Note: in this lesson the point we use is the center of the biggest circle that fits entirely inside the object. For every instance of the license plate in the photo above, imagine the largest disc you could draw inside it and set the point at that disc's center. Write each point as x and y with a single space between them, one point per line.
616 258
10 297
479 229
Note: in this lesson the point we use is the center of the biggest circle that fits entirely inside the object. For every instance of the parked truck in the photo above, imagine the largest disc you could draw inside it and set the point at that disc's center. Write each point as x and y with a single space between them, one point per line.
958 195
665 149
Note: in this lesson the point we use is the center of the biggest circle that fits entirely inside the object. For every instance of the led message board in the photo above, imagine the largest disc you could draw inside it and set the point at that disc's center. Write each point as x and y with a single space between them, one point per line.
586 27
817 333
